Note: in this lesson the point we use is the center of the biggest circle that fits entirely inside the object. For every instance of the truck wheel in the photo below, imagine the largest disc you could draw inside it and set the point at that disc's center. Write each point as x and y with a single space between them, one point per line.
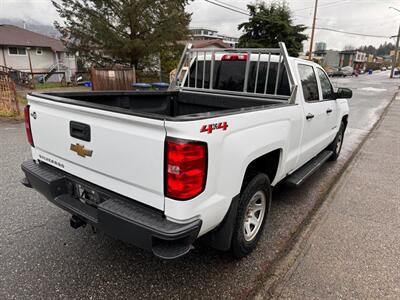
337 143
254 204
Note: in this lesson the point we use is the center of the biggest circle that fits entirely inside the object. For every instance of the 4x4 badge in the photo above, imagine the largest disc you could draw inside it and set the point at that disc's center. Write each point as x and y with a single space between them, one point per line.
80 150
211 127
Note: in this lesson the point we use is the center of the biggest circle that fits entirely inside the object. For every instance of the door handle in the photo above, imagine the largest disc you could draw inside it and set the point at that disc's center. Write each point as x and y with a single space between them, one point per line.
309 116
80 131
329 111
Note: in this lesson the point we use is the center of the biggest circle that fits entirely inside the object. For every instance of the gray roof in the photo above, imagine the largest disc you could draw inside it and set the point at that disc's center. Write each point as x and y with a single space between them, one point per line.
11 35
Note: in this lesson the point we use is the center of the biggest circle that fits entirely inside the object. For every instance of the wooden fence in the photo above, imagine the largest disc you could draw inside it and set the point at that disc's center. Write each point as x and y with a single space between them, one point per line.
8 95
112 79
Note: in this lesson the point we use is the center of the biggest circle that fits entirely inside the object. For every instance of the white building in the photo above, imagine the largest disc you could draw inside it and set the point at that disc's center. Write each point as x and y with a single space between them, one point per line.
46 54
201 33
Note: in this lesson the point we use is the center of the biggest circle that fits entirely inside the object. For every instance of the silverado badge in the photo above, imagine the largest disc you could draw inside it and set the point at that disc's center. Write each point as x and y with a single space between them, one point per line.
80 150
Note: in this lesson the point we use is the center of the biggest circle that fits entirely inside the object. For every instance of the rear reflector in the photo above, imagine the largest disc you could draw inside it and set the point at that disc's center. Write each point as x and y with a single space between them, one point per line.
240 57
186 168
28 126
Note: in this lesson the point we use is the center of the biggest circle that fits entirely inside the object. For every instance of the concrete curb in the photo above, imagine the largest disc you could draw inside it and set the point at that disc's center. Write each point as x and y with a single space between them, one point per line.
269 280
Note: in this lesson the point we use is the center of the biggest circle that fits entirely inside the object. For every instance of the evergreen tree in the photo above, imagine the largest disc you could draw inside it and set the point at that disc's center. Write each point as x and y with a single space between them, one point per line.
105 32
270 24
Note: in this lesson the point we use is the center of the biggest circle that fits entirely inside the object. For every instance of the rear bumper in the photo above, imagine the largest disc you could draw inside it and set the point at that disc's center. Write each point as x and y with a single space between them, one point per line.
120 217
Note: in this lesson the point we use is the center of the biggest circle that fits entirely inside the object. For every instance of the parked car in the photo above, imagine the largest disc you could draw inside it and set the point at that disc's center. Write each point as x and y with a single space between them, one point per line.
338 73
160 169
348 71
331 71
383 69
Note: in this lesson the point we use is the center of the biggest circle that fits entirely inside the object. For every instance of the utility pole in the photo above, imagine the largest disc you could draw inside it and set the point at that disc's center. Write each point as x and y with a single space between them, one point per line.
396 52
313 30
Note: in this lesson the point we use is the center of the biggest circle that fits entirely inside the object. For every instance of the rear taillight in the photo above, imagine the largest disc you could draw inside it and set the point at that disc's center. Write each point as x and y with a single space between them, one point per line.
186 168
240 57
28 125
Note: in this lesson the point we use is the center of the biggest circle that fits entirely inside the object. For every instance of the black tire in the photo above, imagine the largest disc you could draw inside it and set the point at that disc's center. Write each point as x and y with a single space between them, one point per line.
335 147
257 186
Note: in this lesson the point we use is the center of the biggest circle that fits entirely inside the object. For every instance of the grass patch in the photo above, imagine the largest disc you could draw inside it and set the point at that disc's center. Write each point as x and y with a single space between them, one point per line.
22 100
48 85
10 115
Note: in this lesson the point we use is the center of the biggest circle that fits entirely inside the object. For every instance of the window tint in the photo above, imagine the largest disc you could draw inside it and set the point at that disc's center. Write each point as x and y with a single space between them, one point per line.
309 83
326 86
200 70
229 75
283 81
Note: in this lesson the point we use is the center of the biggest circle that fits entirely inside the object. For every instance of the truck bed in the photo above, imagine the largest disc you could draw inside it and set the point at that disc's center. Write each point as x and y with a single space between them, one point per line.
163 104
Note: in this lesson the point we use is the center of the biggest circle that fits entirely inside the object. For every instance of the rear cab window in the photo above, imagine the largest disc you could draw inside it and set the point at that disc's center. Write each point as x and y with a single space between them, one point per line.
229 75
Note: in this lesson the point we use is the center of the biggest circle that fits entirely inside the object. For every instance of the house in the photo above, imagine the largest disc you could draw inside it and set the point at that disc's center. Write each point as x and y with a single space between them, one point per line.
202 34
204 44
23 50
353 58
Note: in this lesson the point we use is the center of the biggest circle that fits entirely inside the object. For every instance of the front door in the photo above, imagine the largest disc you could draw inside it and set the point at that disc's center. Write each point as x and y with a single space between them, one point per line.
332 110
314 137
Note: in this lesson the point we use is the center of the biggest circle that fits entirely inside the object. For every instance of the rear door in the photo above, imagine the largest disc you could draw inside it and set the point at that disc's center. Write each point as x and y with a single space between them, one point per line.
314 137
119 152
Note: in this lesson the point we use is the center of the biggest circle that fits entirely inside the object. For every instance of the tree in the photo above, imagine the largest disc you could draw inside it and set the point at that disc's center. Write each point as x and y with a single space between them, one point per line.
106 32
382 50
270 24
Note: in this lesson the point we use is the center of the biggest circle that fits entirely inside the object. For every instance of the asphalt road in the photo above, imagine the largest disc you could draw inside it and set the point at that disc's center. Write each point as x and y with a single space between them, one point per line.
41 256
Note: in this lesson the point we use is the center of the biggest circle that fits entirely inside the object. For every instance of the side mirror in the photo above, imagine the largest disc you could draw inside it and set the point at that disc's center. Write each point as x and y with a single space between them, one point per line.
344 93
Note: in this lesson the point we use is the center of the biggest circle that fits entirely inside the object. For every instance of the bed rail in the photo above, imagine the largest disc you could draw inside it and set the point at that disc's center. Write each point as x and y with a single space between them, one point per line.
191 57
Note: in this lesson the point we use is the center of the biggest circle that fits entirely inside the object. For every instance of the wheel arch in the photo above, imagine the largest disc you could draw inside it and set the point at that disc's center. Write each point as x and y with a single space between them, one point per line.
267 163
345 120
220 238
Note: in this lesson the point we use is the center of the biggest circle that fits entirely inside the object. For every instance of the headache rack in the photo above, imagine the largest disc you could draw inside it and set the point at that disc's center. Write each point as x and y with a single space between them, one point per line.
192 58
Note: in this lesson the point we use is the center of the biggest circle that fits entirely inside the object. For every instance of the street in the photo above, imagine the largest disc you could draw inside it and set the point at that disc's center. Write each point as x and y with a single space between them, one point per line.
41 256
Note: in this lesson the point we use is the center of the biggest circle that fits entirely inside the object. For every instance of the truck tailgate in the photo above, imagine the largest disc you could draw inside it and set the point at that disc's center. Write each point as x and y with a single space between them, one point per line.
127 151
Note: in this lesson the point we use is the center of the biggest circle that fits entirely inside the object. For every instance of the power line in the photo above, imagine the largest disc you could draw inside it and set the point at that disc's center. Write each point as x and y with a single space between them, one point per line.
322 5
353 33
227 7
230 5
319 28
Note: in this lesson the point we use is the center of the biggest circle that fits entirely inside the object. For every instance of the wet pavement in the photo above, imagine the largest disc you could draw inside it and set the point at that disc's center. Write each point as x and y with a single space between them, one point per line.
351 249
41 256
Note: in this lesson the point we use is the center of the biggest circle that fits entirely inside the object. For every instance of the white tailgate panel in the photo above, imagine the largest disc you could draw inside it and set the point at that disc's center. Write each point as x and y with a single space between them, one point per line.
127 150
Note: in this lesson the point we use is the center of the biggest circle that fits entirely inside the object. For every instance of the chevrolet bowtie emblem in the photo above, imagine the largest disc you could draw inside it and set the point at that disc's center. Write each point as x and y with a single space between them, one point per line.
80 150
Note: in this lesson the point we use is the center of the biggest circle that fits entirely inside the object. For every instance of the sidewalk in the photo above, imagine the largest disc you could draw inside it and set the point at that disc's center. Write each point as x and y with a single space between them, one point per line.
352 248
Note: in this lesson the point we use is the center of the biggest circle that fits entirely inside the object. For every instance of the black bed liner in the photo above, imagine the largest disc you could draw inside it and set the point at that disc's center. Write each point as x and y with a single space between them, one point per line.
164 105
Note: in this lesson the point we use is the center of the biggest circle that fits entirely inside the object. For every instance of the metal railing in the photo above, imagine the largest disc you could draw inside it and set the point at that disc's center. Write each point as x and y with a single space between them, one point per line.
191 57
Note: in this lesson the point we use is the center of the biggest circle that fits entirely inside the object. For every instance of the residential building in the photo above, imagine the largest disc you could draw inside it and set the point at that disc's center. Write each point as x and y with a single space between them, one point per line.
353 58
370 58
21 49
215 43
201 33
392 55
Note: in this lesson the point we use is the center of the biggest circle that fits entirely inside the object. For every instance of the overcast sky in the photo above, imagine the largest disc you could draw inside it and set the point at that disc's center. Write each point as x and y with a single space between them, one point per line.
360 16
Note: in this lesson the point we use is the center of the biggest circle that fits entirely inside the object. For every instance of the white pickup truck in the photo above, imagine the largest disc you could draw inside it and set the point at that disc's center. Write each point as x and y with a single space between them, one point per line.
160 169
